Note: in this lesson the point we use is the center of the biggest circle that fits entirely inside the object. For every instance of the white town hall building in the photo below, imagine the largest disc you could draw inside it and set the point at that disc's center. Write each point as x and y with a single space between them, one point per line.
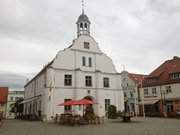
76 72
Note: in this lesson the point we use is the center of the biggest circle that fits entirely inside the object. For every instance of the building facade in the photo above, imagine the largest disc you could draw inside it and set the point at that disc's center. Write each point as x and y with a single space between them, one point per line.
13 96
3 100
160 93
79 71
130 84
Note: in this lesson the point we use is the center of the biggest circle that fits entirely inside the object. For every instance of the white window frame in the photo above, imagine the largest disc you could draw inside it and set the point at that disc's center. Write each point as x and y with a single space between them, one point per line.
146 92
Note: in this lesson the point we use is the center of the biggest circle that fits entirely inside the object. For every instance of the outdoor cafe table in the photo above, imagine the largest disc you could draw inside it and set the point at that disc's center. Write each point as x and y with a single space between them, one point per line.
126 117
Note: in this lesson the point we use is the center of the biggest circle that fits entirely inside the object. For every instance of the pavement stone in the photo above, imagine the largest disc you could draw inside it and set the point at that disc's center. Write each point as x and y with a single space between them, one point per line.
138 126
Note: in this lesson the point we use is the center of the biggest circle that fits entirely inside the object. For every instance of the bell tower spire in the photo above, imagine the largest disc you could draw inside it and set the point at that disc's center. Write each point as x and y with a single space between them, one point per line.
82 6
83 23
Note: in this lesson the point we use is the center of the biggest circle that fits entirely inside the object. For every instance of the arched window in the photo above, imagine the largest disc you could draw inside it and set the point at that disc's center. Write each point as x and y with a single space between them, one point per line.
85 25
81 25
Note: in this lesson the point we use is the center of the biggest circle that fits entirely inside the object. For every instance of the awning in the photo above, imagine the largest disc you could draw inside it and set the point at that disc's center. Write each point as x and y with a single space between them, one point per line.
30 99
148 102
173 99
26 101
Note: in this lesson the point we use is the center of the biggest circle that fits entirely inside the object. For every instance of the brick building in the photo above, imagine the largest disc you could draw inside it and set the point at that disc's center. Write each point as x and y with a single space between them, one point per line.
160 93
3 100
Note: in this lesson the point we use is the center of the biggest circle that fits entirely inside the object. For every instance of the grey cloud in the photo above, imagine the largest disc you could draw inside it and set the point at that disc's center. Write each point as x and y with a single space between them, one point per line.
139 34
165 6
11 80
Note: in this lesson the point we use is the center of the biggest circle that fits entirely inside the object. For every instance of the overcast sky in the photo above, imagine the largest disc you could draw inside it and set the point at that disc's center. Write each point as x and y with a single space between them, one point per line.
140 34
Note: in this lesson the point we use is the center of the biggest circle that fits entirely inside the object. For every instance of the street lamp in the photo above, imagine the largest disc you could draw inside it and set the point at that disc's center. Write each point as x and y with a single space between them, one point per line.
163 102
144 115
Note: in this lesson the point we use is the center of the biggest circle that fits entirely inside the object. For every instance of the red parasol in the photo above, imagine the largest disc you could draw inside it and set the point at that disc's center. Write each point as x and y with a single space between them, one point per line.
78 102
68 103
85 102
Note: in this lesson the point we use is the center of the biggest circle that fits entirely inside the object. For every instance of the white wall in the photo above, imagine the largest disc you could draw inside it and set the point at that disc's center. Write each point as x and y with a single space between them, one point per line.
78 44
174 87
69 61
15 95
35 93
36 87
60 94
129 86
71 58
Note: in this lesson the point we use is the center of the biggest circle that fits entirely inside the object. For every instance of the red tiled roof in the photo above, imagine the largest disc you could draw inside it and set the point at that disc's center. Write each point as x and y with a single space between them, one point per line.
161 75
137 78
3 94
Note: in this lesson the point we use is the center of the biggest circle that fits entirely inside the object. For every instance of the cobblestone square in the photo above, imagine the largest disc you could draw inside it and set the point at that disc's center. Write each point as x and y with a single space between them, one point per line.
138 126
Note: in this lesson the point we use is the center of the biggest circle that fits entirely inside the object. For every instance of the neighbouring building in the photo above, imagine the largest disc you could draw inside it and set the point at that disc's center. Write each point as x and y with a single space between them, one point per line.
3 100
79 71
13 96
130 84
160 94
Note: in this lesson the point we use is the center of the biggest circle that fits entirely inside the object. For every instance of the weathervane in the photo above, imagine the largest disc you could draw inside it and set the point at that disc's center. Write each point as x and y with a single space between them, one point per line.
82 6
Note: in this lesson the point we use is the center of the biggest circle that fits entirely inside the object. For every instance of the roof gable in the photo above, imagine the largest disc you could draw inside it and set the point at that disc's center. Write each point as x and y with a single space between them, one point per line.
79 44
161 75
137 78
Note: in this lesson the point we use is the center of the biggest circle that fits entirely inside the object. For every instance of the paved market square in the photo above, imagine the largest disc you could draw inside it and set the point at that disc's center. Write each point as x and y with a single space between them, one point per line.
138 126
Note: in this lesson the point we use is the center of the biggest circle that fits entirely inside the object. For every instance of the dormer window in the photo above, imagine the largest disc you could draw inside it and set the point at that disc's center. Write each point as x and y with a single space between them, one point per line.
175 76
151 80
86 45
